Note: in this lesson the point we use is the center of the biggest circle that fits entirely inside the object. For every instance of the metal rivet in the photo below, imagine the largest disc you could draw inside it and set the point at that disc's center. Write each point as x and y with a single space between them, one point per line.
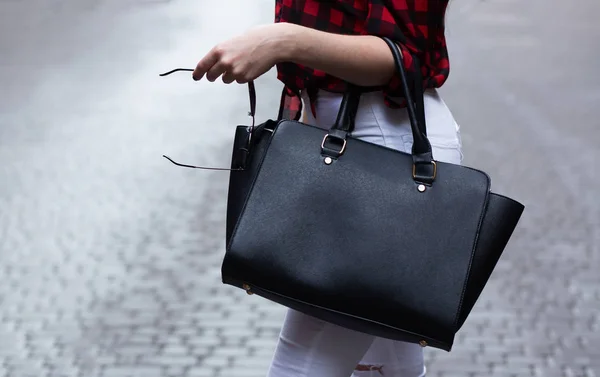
423 343
328 160
247 289
421 188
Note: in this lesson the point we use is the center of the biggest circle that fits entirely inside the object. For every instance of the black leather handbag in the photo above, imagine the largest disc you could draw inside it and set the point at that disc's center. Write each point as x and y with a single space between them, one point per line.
384 242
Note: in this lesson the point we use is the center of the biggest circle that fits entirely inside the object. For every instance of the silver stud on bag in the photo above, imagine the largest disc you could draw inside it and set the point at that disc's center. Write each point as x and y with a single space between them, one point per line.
328 160
421 188
423 343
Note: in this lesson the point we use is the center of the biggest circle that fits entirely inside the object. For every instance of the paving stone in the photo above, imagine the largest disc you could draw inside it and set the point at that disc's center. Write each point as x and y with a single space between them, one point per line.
175 350
170 360
216 361
133 371
231 352
244 371
201 372
176 371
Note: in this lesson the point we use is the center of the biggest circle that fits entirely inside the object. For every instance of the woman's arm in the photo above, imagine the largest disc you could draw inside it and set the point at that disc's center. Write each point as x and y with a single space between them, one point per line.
362 60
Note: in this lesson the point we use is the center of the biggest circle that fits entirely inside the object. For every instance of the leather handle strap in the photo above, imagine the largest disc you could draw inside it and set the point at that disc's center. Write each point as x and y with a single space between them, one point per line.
252 94
416 113
419 96
424 167
348 109
421 144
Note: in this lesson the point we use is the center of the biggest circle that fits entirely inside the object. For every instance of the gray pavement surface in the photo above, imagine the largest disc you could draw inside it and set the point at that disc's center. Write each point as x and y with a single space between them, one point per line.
110 256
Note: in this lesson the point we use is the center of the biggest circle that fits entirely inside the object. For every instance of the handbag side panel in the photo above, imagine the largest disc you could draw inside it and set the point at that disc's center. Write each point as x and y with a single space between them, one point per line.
501 218
246 156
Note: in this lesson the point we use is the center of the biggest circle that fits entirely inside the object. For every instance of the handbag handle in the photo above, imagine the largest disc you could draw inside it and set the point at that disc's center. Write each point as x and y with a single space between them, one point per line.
424 167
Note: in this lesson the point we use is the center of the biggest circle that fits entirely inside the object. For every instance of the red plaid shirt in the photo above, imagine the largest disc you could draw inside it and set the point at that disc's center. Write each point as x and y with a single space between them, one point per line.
416 25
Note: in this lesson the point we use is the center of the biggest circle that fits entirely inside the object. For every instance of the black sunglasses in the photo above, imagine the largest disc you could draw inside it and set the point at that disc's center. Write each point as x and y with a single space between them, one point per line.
252 93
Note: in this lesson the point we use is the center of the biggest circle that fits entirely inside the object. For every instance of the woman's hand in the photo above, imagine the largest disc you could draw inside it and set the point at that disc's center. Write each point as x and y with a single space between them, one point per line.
243 58
363 60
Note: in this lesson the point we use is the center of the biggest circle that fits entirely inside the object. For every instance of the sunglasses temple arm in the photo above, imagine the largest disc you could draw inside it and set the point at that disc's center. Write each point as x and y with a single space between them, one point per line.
176 70
199 167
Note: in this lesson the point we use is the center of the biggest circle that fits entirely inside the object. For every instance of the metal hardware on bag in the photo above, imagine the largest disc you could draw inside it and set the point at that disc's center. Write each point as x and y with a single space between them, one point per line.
247 289
328 160
341 150
421 188
414 170
423 343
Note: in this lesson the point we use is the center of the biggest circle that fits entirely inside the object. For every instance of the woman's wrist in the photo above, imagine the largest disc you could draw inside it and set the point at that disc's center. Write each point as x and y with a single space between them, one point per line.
286 37
361 59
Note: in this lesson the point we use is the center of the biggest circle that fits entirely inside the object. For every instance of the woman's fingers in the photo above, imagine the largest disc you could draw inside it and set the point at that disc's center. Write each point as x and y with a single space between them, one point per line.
204 65
215 71
226 60
228 77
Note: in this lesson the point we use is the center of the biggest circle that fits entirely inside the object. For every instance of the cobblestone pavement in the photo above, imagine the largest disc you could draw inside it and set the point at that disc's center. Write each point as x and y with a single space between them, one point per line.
110 257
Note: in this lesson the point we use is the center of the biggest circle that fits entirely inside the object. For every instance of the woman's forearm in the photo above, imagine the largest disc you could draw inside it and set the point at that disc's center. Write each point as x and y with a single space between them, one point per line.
361 60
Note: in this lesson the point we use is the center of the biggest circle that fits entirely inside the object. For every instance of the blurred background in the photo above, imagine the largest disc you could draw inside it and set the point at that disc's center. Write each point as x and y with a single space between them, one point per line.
110 256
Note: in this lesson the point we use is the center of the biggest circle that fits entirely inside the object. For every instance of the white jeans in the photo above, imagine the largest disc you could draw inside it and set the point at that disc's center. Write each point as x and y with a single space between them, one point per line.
309 347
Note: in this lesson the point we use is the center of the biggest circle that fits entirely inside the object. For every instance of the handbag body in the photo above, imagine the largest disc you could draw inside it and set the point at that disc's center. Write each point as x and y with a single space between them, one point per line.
389 243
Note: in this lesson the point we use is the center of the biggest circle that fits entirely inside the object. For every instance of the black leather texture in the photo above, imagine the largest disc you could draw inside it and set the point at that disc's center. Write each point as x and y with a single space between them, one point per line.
501 218
356 242
247 157
358 239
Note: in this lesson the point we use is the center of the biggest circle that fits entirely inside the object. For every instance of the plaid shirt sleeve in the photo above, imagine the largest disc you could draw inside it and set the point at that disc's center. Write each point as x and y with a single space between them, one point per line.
418 28
416 25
